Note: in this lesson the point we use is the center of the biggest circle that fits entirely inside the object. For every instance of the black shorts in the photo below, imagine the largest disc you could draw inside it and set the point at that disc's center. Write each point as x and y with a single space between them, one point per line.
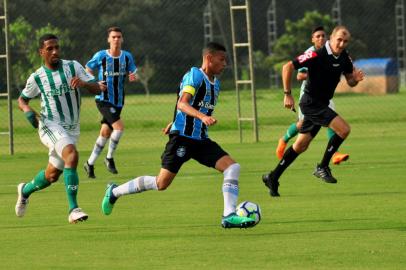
316 114
180 149
110 113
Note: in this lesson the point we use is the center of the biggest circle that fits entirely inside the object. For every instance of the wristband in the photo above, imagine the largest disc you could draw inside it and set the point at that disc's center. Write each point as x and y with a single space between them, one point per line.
30 115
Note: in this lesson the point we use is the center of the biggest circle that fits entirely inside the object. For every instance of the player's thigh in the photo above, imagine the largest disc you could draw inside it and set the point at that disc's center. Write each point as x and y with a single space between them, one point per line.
56 138
208 153
118 125
177 151
110 113
340 127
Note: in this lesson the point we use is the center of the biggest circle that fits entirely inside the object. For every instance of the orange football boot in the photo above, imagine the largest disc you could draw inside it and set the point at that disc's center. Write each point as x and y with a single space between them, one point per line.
338 158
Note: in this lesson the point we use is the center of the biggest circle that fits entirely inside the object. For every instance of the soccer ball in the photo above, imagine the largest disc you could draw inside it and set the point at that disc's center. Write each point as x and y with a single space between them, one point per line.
249 209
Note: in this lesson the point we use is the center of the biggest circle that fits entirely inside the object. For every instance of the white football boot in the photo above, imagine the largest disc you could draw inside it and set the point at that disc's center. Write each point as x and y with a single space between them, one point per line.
22 202
77 215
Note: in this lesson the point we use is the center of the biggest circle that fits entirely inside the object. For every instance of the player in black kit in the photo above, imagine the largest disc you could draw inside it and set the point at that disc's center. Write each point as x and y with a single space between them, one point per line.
325 67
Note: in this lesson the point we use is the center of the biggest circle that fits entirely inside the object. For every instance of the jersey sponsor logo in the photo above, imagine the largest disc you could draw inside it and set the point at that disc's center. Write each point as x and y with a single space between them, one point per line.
206 105
111 73
306 56
181 151
59 91
112 110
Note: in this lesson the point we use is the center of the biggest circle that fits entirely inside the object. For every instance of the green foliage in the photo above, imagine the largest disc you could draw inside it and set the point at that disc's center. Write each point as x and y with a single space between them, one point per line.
24 44
297 38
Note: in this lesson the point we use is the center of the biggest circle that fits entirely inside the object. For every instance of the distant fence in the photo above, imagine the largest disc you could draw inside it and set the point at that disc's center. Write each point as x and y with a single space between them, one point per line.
170 34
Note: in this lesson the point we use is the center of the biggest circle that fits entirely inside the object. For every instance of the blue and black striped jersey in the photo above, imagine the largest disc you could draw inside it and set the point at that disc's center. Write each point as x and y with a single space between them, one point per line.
113 71
204 98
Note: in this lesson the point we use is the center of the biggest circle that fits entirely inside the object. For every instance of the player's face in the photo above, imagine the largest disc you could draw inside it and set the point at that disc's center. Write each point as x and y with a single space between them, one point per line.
50 53
339 41
218 62
319 39
115 39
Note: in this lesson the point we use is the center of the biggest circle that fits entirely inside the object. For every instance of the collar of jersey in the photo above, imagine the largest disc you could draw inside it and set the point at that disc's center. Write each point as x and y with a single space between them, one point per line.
53 70
205 75
121 52
329 51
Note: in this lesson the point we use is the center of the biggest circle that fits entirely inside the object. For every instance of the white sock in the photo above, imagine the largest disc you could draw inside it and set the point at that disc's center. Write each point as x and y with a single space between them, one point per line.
114 139
137 185
230 188
97 149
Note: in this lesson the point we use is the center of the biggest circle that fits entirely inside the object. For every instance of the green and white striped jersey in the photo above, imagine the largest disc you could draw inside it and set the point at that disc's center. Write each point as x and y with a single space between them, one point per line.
60 102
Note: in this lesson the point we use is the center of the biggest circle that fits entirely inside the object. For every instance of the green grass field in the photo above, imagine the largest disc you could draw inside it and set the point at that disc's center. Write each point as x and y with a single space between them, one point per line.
359 223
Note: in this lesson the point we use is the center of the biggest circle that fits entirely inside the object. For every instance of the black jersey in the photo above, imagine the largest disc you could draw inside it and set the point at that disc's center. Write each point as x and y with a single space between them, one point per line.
324 71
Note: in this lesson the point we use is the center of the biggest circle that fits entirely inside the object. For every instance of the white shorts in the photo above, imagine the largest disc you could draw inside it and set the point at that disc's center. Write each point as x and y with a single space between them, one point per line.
301 116
56 138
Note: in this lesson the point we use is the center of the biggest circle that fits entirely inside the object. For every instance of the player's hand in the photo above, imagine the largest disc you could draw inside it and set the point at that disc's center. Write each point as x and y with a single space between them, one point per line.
102 85
76 82
358 75
208 120
289 102
133 77
166 130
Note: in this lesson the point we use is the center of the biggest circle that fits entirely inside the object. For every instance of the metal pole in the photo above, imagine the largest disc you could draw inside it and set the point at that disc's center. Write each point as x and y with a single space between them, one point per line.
9 94
235 69
253 92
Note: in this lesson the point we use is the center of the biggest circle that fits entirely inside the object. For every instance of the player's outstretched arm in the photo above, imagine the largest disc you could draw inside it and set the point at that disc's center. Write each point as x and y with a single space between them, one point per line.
92 87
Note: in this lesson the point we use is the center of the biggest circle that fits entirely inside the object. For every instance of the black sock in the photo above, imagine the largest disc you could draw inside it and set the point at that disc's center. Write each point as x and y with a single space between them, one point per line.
287 159
332 147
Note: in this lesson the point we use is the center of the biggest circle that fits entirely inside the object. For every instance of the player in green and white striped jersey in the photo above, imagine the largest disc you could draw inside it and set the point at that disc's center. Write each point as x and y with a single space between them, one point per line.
57 82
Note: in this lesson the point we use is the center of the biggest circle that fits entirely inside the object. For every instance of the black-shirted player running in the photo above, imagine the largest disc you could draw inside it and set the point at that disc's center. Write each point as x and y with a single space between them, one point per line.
325 67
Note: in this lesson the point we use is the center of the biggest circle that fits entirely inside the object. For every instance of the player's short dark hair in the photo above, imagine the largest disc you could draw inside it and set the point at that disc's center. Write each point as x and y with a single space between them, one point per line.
44 38
318 28
213 47
114 29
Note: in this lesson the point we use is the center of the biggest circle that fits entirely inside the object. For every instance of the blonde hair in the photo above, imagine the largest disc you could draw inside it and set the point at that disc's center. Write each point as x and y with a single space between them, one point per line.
340 28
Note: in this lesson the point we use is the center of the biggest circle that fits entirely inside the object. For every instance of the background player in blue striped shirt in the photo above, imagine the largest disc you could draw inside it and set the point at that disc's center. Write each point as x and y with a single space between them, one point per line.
188 139
113 65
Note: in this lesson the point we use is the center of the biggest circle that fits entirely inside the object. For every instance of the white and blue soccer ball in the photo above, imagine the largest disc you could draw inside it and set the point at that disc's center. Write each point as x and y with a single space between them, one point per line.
249 209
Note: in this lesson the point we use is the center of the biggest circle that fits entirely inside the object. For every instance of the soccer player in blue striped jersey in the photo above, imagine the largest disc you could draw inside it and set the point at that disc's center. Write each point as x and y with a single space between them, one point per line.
188 138
57 82
113 66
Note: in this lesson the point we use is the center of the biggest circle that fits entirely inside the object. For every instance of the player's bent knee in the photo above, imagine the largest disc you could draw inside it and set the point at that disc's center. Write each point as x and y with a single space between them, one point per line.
162 184
52 176
300 147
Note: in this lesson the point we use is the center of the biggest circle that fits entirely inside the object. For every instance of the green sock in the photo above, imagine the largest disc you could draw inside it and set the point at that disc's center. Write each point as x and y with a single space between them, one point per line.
70 176
291 132
330 133
39 182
